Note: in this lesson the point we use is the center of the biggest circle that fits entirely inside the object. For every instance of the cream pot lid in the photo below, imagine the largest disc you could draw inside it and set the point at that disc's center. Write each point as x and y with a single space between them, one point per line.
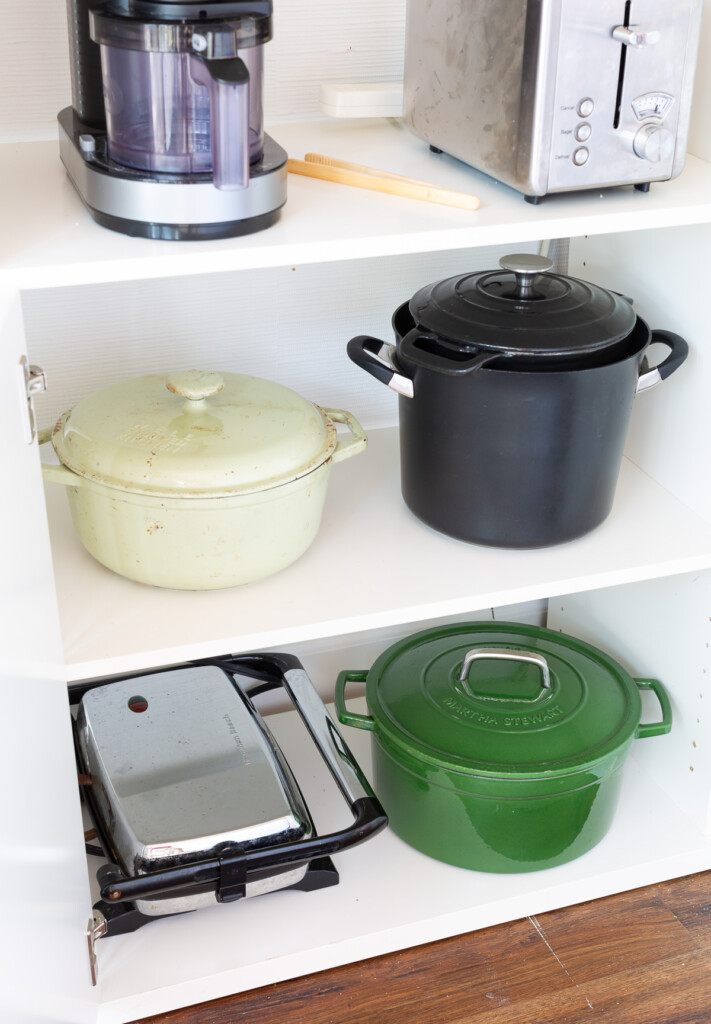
195 434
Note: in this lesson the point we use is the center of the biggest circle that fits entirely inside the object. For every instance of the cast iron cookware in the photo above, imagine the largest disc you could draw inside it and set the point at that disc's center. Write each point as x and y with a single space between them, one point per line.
516 389
498 746
196 480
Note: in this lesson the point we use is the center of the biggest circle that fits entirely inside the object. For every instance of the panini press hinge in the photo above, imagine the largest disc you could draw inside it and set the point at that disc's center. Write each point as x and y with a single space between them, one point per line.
232 883
96 929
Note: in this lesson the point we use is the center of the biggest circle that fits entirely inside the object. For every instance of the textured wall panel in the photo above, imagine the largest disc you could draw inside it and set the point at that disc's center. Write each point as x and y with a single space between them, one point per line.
289 325
314 41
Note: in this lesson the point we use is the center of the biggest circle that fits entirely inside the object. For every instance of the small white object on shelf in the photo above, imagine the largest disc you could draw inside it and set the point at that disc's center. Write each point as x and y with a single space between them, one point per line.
361 99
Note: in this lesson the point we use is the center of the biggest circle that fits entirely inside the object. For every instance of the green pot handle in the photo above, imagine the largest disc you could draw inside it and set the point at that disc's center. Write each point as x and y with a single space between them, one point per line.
655 728
346 717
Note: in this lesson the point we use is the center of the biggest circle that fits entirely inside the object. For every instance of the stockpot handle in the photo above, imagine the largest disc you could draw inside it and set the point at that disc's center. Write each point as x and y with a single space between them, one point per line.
645 729
678 351
359 441
452 364
228 874
376 357
504 654
346 717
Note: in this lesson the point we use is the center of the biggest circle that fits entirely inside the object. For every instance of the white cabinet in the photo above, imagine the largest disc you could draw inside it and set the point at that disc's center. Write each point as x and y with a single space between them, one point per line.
341 260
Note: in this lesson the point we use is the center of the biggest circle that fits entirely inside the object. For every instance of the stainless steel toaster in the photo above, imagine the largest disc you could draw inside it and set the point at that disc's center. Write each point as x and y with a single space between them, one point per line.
554 95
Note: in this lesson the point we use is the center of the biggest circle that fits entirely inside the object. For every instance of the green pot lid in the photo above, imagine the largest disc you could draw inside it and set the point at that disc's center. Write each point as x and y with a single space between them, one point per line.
194 434
531 703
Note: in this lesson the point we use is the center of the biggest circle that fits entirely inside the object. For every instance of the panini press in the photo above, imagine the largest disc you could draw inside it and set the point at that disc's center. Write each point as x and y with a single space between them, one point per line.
193 801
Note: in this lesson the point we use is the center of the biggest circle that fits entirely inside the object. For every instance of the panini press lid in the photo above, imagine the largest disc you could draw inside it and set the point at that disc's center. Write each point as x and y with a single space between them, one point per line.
183 766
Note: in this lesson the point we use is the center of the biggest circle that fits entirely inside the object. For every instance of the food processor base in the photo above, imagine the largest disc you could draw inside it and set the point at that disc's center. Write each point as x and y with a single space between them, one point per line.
148 204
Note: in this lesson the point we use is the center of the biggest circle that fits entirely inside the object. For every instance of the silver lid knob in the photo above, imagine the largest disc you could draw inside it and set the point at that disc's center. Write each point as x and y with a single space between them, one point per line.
526 267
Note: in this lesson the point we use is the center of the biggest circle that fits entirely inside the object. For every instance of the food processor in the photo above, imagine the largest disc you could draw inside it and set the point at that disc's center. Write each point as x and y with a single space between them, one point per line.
165 135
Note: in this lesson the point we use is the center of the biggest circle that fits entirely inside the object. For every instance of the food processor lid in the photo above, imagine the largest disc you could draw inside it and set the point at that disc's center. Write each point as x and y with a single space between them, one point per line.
216 30
194 434
498 699
523 309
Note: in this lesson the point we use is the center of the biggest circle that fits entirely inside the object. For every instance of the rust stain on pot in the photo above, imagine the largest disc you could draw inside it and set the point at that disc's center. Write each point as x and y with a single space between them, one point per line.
154 527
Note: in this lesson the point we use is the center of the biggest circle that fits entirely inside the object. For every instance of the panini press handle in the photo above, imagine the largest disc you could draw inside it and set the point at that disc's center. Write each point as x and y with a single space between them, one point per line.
287 670
324 732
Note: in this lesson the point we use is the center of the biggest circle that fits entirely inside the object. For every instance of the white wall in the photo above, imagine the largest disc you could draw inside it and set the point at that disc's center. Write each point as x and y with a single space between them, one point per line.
314 41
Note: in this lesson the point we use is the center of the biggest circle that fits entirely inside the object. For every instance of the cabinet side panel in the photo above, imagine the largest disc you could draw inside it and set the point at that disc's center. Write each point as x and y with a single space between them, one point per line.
699 138
659 629
44 970
665 271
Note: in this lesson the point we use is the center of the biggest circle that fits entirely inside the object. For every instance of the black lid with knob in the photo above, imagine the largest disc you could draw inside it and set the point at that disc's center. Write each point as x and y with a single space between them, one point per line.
523 309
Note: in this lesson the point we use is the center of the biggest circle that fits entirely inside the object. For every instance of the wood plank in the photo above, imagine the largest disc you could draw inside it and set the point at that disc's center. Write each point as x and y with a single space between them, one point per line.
690 900
674 991
603 937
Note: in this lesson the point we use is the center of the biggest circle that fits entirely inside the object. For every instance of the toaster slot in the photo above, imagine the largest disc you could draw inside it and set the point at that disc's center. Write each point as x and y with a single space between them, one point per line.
621 75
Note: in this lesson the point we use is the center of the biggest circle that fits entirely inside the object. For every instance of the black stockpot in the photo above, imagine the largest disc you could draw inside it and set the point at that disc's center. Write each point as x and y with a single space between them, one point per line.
516 390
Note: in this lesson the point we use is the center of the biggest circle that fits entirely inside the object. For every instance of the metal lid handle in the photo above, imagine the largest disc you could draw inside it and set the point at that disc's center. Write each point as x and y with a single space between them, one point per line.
506 654
526 267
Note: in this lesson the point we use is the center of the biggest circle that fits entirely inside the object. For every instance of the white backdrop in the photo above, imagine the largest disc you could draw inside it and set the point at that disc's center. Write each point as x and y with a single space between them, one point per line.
314 41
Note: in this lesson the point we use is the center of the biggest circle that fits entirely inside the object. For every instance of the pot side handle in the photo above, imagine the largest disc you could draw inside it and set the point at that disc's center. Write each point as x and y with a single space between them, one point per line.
424 350
645 729
57 474
375 357
359 441
679 350
346 717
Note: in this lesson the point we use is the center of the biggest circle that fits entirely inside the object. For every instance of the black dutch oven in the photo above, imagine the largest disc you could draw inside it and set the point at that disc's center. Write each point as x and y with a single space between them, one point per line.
516 389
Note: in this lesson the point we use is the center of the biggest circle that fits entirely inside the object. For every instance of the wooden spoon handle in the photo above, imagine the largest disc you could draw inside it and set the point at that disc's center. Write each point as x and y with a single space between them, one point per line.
377 181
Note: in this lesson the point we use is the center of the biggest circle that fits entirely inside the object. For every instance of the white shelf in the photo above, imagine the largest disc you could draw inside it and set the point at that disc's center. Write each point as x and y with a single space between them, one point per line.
372 564
49 240
389 897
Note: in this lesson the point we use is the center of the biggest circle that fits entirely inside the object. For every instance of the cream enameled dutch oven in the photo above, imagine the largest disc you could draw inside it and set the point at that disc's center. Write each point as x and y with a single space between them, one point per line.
196 480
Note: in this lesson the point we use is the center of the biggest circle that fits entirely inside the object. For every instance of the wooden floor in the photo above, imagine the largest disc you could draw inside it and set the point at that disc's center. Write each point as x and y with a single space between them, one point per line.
642 957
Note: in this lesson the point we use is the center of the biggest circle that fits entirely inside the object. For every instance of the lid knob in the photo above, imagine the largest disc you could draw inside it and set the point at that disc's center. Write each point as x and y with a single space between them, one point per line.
526 267
195 385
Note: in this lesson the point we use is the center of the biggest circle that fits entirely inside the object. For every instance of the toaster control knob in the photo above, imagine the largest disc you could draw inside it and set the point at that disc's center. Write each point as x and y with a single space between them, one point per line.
654 143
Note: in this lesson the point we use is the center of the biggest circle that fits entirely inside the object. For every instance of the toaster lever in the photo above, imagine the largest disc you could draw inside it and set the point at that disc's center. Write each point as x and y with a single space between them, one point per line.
635 36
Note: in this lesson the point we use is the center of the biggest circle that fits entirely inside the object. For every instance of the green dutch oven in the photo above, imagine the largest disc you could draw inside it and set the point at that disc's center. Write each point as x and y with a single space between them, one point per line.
499 746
